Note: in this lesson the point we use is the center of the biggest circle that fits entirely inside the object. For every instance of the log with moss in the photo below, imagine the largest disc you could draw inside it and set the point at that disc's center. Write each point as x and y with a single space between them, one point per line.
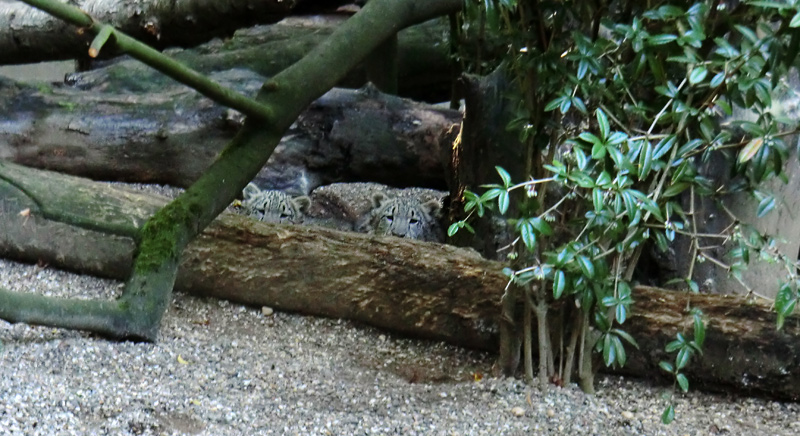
421 289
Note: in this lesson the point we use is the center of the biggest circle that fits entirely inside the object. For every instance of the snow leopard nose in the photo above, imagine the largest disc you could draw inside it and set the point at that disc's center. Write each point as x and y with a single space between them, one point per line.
400 230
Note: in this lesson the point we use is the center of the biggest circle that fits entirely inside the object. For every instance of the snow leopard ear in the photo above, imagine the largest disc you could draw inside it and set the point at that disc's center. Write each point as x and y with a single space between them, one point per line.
302 203
250 191
378 199
432 207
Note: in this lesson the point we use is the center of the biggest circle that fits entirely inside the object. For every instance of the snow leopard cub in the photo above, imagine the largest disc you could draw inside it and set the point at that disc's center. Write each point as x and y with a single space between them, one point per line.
403 217
273 206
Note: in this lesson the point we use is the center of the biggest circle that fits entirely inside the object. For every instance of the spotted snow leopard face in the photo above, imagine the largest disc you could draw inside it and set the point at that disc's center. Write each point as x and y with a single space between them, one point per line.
404 217
273 206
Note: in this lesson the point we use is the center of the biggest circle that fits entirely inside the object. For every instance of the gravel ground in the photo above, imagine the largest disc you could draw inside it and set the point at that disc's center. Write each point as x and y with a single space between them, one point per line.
225 369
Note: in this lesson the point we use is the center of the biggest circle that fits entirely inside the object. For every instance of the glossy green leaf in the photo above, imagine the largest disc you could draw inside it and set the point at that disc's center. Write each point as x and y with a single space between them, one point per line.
586 265
683 382
528 235
765 206
598 151
666 366
503 202
661 242
747 33
603 180
609 301
453 229
763 92
673 346
616 138
718 79
542 226
630 203
750 150
697 75
559 283
752 128
581 158
504 176
689 147
675 189
553 104
590 138
625 335
492 194
645 160
619 350
661 39
620 160
621 312
609 352
664 146
602 122
682 359
597 199
564 256
565 105
579 104
699 331
583 68
795 20
724 106
669 415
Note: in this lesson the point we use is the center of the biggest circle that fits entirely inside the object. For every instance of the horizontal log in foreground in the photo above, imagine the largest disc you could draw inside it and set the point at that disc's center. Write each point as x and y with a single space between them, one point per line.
421 289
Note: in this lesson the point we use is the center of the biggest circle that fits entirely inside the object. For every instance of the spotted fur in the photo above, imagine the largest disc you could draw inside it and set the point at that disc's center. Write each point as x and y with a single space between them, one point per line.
403 217
274 206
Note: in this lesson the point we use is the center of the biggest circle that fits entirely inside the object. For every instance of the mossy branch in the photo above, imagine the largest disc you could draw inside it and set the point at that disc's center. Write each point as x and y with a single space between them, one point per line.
36 309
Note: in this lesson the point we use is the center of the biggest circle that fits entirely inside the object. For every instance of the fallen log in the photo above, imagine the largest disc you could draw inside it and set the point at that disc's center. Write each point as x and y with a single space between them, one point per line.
421 289
172 136
28 35
423 63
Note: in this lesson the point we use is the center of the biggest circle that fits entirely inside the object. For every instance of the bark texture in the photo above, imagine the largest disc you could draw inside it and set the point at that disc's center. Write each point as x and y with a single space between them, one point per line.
484 143
421 289
28 35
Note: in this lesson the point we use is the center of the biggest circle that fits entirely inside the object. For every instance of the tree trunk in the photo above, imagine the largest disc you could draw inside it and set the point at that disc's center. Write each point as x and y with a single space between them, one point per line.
343 136
484 143
422 289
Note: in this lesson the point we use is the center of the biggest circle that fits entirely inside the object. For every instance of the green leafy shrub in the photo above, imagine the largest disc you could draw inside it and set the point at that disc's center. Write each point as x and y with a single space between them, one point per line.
618 105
